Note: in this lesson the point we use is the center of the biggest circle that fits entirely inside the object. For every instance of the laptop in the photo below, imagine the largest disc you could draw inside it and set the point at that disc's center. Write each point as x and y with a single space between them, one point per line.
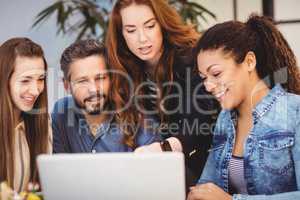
112 176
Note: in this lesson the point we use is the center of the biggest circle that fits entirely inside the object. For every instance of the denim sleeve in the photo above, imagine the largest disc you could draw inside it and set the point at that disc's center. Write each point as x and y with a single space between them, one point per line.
288 195
146 137
209 172
148 133
282 196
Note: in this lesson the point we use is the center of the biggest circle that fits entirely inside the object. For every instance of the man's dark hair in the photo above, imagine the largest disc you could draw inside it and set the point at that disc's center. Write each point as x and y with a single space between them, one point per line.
78 50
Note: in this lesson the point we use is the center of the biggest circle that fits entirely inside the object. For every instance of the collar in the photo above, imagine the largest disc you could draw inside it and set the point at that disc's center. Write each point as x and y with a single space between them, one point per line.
267 102
263 106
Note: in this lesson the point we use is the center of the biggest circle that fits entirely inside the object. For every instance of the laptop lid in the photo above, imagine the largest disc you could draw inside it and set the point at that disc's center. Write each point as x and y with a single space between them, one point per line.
111 176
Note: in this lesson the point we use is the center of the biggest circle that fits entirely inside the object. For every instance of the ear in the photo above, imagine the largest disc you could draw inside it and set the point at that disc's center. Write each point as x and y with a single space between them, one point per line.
66 85
250 61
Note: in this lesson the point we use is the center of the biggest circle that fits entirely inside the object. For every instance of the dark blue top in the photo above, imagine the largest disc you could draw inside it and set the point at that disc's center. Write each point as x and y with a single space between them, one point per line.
71 133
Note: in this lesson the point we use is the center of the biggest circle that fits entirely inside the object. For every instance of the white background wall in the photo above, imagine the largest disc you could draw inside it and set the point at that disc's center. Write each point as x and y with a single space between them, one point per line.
283 10
287 10
17 16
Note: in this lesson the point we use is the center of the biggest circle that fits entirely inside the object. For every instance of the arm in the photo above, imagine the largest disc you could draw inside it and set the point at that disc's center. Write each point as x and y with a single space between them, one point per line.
60 144
150 138
209 172
282 196
196 124
146 137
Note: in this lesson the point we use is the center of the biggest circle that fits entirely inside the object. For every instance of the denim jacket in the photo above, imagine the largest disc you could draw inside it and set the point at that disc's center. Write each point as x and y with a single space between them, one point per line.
271 150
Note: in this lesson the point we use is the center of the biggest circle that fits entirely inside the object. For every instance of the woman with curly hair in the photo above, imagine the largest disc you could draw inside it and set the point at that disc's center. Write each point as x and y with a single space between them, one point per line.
251 70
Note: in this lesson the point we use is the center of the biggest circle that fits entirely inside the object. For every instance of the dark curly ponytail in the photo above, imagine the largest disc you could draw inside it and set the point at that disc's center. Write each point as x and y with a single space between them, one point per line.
276 62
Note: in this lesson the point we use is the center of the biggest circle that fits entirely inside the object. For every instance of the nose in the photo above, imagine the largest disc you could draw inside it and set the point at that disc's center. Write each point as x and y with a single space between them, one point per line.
93 87
142 36
35 89
210 85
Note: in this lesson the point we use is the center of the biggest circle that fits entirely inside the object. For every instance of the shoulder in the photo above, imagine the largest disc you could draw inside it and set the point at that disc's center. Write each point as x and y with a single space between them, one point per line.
62 105
62 110
288 107
293 102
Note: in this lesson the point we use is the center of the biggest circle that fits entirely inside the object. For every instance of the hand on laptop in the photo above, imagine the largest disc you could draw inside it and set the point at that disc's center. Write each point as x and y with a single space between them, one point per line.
207 191
156 147
175 144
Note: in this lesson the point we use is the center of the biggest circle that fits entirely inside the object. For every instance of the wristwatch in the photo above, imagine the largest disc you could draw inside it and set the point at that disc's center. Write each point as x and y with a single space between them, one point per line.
165 145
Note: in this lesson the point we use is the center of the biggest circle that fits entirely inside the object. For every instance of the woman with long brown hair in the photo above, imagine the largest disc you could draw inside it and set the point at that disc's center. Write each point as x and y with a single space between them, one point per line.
148 40
24 121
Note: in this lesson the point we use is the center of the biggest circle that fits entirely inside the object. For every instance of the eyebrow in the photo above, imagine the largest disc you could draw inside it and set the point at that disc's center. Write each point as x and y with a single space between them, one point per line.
27 77
97 75
81 77
30 77
146 22
210 66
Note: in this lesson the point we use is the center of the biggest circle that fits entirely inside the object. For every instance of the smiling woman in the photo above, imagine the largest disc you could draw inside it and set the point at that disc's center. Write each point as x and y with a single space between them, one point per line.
24 122
252 71
27 82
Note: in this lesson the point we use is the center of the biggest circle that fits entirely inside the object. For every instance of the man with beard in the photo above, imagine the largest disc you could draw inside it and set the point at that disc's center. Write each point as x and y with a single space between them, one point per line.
86 121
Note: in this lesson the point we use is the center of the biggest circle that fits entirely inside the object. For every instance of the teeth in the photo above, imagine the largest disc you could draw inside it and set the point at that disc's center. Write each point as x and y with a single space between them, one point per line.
145 49
28 98
220 94
94 99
